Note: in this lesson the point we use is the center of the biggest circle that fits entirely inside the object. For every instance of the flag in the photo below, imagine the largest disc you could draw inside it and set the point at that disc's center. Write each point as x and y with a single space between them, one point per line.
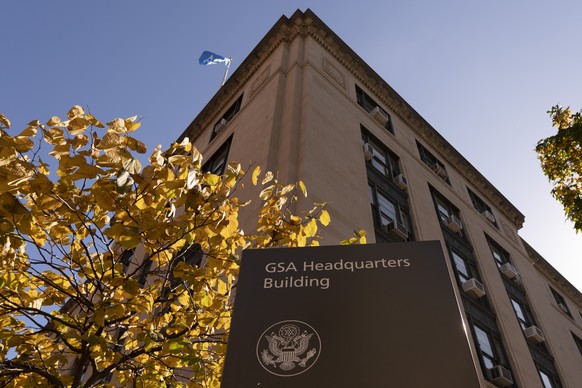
208 58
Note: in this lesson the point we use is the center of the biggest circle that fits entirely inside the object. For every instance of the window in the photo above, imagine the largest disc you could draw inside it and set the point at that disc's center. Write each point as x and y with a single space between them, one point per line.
384 160
561 302
430 160
125 259
489 346
385 210
549 380
370 105
462 267
465 269
448 214
500 255
523 313
217 163
578 342
145 271
482 207
227 117
191 255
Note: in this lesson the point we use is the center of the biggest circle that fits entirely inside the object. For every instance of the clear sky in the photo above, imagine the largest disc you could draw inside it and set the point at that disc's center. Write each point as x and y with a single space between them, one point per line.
483 73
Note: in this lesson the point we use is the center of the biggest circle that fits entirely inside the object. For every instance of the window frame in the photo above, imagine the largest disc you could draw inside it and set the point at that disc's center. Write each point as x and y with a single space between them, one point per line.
552 378
431 161
577 341
445 209
368 104
384 160
480 205
560 300
217 163
400 215
497 356
526 319
500 255
229 115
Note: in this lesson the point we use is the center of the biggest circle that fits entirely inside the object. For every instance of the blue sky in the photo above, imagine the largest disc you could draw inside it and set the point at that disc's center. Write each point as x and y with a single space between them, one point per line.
482 73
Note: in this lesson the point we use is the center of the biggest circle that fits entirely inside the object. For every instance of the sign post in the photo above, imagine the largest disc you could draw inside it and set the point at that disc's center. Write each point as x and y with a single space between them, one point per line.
378 315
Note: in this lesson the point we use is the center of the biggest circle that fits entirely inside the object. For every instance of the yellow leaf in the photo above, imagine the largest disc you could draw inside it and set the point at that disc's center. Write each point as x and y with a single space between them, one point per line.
54 120
54 136
77 125
132 165
94 121
268 177
109 140
211 179
87 171
79 141
266 193
28 132
99 318
4 122
135 144
255 175
184 298
361 236
303 189
324 218
222 287
311 228
178 159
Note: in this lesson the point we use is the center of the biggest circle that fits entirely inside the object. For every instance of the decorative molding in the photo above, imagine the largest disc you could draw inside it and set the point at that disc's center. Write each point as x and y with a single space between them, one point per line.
551 273
334 73
260 79
509 232
307 24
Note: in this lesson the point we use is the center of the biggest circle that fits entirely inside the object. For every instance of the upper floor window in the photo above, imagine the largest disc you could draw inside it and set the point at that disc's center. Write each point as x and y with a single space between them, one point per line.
191 255
378 114
217 162
482 207
549 380
125 259
561 302
383 160
578 342
462 267
523 314
500 255
448 214
388 214
227 117
435 164
145 269
489 345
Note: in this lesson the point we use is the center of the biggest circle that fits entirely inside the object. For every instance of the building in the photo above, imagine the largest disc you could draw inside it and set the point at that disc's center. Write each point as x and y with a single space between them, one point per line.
305 104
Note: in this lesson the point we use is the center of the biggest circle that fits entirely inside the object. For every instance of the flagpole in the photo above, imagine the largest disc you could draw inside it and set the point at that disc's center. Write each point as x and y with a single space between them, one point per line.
228 60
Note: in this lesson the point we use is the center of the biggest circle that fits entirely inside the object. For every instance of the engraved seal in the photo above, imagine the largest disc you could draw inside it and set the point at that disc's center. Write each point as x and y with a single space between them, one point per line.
288 348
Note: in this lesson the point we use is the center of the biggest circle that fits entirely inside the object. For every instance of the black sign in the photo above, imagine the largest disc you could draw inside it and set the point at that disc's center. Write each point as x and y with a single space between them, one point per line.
381 315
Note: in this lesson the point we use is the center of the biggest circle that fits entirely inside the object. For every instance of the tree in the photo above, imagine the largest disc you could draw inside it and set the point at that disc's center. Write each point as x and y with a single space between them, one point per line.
561 159
111 273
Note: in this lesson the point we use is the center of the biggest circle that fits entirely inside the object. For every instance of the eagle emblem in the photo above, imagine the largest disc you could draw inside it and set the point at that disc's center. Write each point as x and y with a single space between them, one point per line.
288 348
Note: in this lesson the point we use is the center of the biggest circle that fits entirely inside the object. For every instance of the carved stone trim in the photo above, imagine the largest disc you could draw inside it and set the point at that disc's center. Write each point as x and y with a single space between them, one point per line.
334 72
260 79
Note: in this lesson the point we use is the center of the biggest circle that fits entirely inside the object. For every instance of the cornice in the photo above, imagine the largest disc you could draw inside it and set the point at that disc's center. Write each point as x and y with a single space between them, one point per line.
391 99
550 272
308 24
